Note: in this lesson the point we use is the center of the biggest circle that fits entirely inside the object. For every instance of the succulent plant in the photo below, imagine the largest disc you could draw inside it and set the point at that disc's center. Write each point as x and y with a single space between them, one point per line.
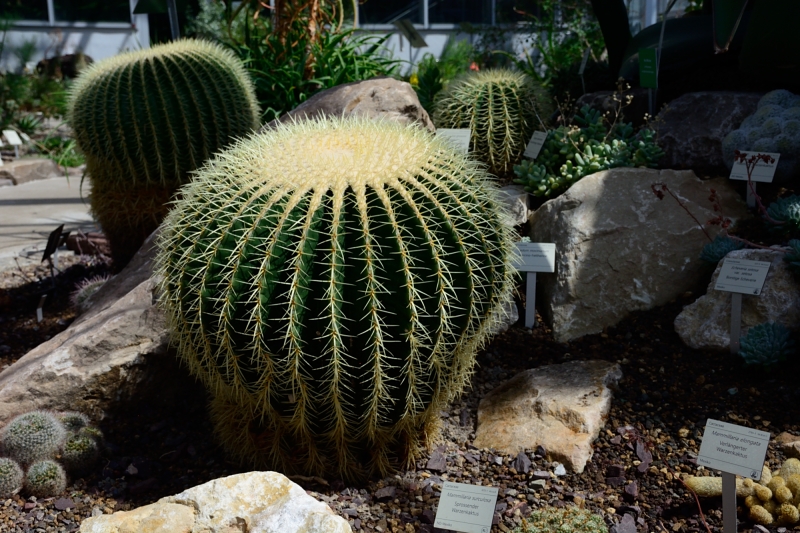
569 519
722 245
85 290
32 436
145 120
785 210
571 152
80 452
73 421
11 477
766 344
793 256
502 109
45 479
331 281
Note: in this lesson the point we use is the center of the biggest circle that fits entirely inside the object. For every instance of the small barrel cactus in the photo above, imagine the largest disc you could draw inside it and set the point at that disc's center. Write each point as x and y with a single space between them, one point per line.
80 453
32 436
73 421
722 245
145 120
766 344
45 479
333 279
502 109
84 290
11 477
786 211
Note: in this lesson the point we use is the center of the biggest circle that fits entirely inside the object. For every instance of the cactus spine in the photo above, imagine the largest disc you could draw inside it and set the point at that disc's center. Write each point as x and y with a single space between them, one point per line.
145 120
500 108
45 479
32 436
11 477
330 281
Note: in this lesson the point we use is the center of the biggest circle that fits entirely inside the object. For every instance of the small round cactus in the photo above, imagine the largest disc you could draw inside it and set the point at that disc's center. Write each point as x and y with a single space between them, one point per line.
32 436
563 519
80 452
73 421
45 479
715 251
766 344
11 477
85 290
502 109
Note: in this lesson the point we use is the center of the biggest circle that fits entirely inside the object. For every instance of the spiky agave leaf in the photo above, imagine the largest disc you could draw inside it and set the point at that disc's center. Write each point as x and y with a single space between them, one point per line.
334 279
502 108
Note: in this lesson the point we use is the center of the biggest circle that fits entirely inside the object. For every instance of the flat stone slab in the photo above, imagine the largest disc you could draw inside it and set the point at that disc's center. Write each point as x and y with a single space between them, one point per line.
560 407
25 170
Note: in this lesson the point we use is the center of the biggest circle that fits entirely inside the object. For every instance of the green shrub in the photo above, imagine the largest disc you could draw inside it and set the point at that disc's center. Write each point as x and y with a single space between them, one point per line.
501 108
330 281
32 436
568 519
766 344
45 479
433 75
145 120
590 145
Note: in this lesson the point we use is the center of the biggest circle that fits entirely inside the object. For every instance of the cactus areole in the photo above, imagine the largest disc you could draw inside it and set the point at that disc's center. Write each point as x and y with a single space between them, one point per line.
333 280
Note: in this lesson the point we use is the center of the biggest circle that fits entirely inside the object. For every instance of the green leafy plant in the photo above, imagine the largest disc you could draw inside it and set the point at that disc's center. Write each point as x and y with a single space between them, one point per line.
766 344
11 477
784 214
569 519
145 120
501 108
590 145
333 303
793 256
722 245
433 75
32 436
45 479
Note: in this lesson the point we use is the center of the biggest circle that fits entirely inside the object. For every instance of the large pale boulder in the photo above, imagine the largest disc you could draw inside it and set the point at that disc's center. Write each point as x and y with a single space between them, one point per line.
515 199
254 502
706 323
620 249
377 98
691 129
560 407
112 352
22 171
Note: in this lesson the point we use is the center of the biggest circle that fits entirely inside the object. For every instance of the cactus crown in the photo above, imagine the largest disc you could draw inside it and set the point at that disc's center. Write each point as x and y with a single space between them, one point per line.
502 108
45 479
721 246
766 344
156 114
334 278
32 436
11 476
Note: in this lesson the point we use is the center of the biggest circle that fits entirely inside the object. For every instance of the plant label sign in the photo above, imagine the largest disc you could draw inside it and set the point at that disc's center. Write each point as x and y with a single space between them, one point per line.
742 275
12 137
734 449
648 68
460 137
466 508
536 257
763 171
535 144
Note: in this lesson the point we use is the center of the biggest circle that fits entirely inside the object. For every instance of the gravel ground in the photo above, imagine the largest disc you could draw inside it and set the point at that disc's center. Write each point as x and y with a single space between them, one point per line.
161 446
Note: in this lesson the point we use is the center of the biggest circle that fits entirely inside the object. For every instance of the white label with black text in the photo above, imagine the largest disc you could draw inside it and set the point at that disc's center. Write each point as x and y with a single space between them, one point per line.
466 508
535 144
458 136
763 172
536 257
742 275
734 449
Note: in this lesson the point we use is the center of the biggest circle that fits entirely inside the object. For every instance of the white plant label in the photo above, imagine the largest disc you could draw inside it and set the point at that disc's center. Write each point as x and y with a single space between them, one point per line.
466 508
12 137
536 257
583 61
742 275
734 449
458 136
535 144
763 172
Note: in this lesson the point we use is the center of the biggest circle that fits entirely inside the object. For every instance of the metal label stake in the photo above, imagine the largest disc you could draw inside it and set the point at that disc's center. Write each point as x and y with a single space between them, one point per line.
530 299
736 321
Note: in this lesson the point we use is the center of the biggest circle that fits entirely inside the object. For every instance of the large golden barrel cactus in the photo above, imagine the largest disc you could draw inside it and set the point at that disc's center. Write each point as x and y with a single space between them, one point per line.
331 281
145 120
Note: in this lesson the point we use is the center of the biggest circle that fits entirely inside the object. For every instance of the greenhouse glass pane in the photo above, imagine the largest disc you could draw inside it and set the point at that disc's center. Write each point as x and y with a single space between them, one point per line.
388 11
457 11
93 11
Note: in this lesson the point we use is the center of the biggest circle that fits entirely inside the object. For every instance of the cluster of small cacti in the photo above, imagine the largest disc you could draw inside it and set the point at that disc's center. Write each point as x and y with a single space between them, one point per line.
571 152
774 127
32 444
569 519
773 500
766 344
501 108
785 211
145 120
722 245
330 281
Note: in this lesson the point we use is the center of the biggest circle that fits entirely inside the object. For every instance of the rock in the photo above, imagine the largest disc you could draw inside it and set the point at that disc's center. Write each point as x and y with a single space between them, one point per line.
437 462
377 98
620 249
561 407
706 322
789 444
626 525
111 353
522 463
92 243
516 200
24 170
256 502
691 129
